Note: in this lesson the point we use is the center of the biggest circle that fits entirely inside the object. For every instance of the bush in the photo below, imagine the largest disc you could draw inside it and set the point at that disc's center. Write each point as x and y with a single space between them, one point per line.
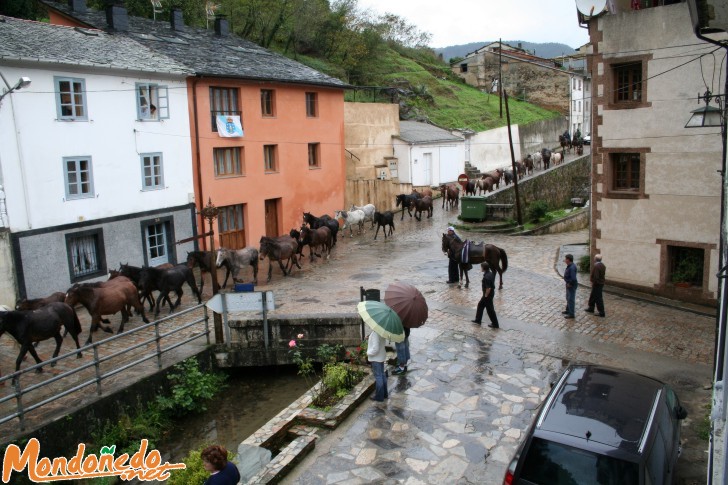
191 389
195 471
536 210
584 263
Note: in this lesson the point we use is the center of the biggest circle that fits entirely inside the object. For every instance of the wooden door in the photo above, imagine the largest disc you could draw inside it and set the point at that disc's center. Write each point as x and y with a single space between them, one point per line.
271 217
231 227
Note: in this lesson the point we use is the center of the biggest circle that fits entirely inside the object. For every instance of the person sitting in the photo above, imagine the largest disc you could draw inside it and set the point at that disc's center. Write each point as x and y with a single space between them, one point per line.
577 136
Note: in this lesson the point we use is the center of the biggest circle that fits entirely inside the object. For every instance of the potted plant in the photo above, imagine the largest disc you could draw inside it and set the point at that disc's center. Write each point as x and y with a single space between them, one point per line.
687 271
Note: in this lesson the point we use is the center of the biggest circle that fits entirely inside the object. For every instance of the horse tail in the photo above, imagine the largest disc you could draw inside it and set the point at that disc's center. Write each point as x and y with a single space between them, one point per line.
76 323
504 259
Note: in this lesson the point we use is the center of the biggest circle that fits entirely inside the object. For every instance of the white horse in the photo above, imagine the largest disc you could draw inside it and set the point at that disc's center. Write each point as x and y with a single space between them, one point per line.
368 209
351 218
238 259
556 158
537 160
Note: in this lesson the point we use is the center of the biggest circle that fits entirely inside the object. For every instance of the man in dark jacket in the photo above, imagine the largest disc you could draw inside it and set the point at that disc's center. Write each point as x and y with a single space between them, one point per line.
486 301
571 285
453 272
597 278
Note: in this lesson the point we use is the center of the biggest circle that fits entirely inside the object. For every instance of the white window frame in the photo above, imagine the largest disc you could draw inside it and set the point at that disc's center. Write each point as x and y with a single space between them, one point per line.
77 98
148 95
78 175
154 162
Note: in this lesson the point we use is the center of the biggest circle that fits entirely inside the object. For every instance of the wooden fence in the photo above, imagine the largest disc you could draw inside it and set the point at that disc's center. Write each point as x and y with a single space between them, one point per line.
381 193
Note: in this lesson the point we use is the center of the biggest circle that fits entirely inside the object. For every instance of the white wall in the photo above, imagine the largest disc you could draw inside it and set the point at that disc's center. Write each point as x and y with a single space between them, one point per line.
490 149
447 162
32 165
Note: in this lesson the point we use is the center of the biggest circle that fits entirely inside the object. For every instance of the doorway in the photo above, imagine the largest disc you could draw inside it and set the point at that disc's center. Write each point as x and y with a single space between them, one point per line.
272 207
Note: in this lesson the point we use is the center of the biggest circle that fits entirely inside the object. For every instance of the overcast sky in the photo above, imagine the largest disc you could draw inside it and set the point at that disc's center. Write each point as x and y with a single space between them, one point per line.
463 21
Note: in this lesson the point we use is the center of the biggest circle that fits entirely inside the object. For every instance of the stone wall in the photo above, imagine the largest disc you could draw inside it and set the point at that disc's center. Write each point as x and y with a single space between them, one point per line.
541 134
247 347
555 186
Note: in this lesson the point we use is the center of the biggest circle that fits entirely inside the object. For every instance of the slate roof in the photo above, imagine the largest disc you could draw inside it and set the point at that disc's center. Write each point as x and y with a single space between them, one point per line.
416 132
25 40
206 53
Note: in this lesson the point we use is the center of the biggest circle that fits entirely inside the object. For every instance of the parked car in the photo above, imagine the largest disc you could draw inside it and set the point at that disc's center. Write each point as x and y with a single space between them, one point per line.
587 140
600 425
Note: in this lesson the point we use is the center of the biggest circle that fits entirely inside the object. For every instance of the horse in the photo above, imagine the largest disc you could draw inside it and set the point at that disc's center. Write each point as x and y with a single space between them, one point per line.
424 193
566 143
105 301
477 253
384 219
520 170
484 184
450 195
470 188
166 280
405 200
528 164
508 177
537 160
495 175
324 220
296 235
368 210
350 218
556 158
202 259
279 249
423 204
580 148
317 237
26 304
236 259
546 156
134 274
31 326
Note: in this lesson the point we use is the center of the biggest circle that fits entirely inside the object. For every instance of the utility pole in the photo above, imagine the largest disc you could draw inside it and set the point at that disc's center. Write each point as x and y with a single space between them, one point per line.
210 212
500 75
519 218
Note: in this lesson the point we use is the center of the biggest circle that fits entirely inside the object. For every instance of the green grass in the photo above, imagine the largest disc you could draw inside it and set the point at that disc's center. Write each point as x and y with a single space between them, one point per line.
550 216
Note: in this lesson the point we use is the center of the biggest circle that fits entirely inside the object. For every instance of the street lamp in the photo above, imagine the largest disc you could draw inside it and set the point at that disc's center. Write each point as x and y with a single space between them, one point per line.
210 212
23 82
707 115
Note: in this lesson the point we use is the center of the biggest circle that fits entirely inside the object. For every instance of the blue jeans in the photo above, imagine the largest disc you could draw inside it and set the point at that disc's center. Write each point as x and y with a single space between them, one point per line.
380 392
571 300
403 354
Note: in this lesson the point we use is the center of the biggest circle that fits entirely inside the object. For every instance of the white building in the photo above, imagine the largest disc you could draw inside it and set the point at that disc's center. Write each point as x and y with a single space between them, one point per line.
427 155
579 111
95 155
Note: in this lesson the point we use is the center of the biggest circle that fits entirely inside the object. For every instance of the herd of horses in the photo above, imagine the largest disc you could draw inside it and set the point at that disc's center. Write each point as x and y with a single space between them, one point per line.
129 287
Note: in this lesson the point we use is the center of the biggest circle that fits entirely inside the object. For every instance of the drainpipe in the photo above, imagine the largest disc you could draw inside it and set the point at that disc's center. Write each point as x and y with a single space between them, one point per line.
722 314
198 168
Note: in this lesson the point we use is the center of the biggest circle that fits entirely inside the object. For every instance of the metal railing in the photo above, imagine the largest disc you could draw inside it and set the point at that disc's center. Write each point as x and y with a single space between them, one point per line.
19 393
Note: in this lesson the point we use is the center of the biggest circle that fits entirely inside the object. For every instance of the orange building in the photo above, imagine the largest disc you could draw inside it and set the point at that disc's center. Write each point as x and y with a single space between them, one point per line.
267 134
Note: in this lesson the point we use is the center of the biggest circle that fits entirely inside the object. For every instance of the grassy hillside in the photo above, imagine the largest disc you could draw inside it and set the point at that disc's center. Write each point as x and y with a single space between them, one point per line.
427 90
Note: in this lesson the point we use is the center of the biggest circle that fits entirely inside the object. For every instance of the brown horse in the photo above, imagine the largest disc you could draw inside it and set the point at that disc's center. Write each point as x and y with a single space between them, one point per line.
279 249
528 165
496 175
420 205
315 238
485 184
477 253
566 143
450 196
106 301
26 304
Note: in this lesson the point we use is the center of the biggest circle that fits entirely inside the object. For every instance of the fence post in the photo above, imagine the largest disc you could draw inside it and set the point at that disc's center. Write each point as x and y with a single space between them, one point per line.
159 348
207 324
98 369
19 399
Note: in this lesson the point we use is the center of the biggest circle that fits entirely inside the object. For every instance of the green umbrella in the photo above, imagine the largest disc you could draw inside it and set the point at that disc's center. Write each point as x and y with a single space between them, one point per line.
382 319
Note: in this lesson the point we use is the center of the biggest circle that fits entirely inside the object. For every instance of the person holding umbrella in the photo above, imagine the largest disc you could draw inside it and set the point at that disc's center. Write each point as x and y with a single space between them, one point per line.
385 324
411 307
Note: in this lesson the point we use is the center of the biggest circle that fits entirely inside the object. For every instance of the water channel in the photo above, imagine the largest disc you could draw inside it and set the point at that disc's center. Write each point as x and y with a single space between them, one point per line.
251 398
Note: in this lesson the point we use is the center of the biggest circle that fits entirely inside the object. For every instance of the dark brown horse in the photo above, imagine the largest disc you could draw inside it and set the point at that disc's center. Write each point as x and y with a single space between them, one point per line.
106 301
485 184
565 143
134 273
282 248
496 175
420 205
405 200
202 259
477 253
32 326
315 238
450 196
325 220
36 303
384 219
528 165
166 280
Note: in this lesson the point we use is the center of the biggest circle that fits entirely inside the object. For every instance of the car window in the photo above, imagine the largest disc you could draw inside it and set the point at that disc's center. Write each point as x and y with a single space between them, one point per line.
550 463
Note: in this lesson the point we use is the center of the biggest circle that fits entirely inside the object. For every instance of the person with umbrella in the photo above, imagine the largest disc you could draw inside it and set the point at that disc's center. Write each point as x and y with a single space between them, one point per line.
411 307
385 324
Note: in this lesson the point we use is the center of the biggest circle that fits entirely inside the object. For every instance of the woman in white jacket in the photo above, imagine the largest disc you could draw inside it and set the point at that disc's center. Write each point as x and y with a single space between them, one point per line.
377 354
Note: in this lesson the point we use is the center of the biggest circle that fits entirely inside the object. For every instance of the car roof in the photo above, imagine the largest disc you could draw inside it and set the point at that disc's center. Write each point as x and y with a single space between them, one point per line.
609 406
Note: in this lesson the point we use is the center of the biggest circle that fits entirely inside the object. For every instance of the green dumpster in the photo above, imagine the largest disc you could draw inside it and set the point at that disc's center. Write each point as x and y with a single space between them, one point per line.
472 208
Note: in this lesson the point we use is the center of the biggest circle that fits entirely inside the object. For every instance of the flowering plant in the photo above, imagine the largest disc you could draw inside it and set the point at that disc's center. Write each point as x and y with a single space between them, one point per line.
304 363
359 355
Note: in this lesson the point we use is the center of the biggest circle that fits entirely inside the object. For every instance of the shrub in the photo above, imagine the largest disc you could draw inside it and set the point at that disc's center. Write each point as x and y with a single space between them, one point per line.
536 210
584 263
191 388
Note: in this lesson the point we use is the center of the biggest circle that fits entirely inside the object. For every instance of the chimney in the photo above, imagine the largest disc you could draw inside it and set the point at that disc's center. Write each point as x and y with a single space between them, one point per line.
117 17
520 46
221 26
176 19
78 6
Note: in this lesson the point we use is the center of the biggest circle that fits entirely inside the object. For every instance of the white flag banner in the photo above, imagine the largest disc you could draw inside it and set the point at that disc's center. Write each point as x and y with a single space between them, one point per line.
229 126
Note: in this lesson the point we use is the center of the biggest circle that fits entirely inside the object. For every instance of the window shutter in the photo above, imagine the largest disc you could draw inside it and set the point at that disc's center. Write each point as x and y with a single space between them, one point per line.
163 102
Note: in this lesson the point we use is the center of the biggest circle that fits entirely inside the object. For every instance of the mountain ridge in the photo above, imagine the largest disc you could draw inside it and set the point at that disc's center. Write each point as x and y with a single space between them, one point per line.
546 50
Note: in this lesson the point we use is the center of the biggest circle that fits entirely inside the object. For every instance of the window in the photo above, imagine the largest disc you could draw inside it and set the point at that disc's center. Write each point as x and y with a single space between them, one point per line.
223 101
156 242
228 161
579 88
152 177
270 158
267 102
626 172
579 106
152 102
628 82
311 105
574 106
464 67
79 177
586 106
686 265
573 83
314 160
70 98
85 254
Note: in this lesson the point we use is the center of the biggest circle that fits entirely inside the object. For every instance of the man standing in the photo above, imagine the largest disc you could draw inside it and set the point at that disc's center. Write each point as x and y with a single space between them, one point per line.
453 275
377 354
571 284
486 301
597 276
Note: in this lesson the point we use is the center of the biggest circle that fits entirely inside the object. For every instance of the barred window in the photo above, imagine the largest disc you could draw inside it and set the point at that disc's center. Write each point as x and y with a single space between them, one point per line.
85 254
